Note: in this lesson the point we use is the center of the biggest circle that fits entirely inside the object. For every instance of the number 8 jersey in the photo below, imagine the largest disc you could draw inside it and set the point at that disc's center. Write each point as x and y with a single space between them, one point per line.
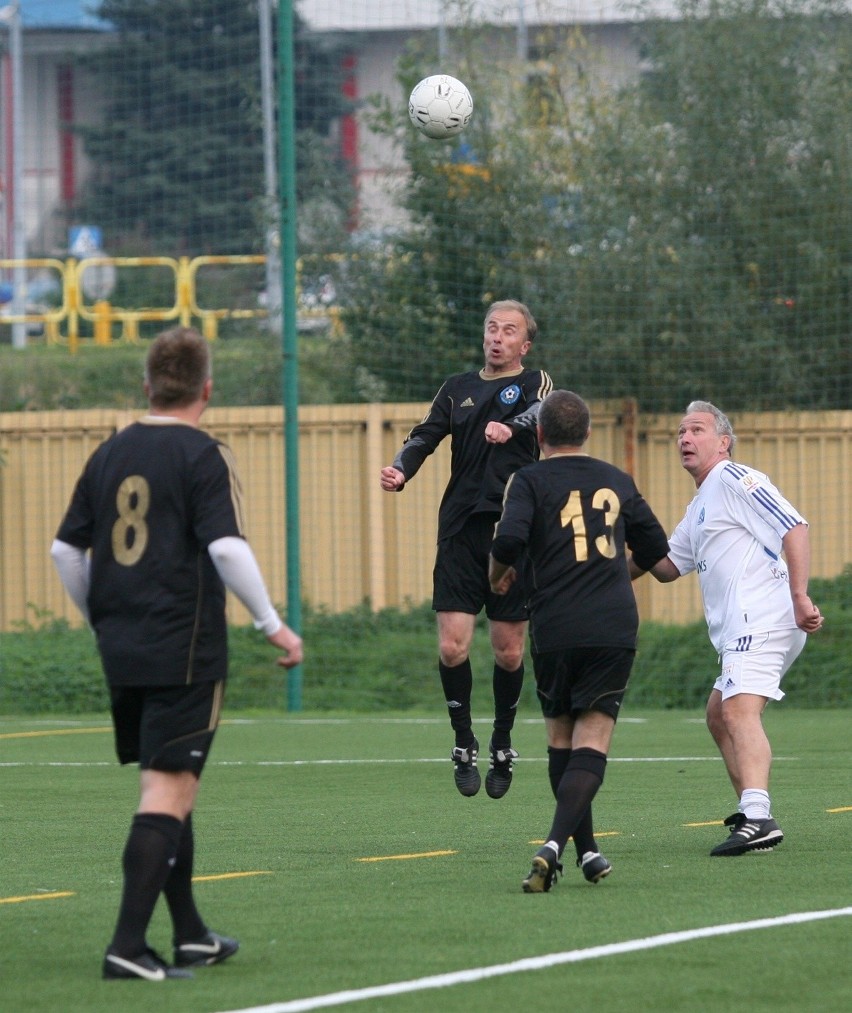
149 502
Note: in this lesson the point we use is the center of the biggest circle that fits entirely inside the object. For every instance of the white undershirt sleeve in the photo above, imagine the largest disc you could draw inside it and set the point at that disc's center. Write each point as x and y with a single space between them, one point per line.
236 565
72 565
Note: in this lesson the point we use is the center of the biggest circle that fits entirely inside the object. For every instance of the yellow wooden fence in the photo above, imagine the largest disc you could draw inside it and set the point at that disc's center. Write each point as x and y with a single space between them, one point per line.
361 544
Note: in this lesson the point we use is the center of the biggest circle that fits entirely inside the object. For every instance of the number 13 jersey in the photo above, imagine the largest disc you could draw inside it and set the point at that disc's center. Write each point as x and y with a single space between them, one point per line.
574 514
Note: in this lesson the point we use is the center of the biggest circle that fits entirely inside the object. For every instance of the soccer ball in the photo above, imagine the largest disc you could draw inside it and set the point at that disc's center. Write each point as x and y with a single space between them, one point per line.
440 107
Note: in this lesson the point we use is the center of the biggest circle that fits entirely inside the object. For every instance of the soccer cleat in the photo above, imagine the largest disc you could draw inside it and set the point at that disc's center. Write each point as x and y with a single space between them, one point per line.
465 772
149 966
499 777
750 835
542 875
210 949
594 866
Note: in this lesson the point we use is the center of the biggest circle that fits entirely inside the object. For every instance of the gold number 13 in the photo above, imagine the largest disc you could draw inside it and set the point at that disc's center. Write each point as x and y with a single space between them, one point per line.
572 515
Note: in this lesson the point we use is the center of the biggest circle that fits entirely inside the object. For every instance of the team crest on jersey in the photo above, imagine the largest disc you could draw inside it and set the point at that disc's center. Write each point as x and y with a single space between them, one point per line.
749 483
509 395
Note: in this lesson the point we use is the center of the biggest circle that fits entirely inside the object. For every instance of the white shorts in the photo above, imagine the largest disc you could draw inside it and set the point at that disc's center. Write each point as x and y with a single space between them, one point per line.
757 664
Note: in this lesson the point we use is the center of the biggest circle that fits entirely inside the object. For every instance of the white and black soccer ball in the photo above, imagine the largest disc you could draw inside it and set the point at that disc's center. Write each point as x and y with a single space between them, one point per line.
440 106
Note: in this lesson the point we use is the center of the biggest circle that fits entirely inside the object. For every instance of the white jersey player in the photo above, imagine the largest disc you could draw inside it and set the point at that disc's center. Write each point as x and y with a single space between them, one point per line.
756 604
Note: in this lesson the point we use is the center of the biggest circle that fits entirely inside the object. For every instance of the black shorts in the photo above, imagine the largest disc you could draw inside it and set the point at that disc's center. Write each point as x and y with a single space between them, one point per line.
460 577
582 679
167 728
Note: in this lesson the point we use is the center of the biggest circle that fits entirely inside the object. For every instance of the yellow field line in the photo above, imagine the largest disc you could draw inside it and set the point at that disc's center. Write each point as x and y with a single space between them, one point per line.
230 875
709 823
842 809
37 896
401 858
52 731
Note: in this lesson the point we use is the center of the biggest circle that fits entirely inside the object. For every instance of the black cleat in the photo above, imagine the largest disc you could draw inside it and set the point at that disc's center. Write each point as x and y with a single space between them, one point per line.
149 966
542 875
750 835
210 949
499 778
465 772
594 866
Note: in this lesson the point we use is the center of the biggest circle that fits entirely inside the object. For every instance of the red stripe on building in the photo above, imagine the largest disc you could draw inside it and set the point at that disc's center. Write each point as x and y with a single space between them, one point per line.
67 176
348 124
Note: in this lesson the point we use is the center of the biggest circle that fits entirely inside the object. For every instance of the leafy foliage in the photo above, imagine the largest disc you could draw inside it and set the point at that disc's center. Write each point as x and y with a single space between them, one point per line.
377 661
698 215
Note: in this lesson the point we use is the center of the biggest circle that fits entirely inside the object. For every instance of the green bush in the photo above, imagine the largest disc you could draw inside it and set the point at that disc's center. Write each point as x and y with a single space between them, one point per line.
379 661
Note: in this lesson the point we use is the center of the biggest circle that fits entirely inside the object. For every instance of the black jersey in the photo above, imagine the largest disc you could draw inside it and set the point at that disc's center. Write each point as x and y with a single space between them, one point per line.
462 408
149 502
574 515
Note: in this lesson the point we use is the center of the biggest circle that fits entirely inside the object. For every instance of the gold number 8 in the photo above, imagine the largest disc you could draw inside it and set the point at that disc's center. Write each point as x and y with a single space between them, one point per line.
130 532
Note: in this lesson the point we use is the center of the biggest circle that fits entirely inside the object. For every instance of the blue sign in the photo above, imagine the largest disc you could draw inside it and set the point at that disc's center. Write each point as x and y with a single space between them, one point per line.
85 241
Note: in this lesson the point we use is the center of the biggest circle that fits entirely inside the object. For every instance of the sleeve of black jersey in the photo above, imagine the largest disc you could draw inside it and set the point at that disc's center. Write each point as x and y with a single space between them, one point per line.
426 435
77 525
528 418
512 533
644 534
217 510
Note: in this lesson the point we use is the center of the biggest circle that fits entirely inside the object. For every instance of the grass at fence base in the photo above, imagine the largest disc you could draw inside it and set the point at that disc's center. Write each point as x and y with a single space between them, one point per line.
387 660
316 917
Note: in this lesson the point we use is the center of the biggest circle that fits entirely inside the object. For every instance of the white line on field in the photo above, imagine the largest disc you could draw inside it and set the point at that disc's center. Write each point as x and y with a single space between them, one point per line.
537 963
351 762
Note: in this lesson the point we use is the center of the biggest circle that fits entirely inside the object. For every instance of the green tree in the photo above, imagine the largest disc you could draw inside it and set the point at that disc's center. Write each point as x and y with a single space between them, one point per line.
685 235
178 154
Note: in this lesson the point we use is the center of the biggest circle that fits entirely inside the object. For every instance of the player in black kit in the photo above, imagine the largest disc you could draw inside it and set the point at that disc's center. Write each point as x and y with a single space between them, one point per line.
490 415
158 506
572 514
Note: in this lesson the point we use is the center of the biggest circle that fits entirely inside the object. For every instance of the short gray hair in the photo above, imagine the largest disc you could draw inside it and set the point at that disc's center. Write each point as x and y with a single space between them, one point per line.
720 419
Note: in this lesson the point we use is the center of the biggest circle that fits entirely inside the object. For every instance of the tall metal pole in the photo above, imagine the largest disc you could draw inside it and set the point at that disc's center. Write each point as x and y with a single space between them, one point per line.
270 172
11 14
290 380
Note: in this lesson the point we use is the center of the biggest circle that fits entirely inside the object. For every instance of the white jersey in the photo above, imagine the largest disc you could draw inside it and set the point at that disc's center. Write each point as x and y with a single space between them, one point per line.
731 535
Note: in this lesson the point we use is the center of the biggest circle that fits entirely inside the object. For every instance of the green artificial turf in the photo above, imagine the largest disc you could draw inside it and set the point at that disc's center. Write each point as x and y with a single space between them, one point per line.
336 848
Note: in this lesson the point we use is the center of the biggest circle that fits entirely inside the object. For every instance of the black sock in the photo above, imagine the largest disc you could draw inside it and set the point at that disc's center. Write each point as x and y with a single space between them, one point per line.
187 922
507 694
579 784
584 834
557 761
458 686
147 861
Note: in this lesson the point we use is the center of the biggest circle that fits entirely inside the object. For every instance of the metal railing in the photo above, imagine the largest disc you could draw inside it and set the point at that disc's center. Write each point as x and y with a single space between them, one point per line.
83 292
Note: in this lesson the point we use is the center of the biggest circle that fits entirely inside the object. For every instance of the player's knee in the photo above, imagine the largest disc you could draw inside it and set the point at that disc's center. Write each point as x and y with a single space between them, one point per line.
452 653
509 658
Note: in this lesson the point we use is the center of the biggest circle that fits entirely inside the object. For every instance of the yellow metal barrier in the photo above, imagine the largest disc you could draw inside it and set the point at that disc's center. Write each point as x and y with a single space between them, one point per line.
49 318
103 315
210 317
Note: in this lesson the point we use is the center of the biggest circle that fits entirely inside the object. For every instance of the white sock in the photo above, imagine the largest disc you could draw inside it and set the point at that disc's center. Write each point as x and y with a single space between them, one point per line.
554 845
754 802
